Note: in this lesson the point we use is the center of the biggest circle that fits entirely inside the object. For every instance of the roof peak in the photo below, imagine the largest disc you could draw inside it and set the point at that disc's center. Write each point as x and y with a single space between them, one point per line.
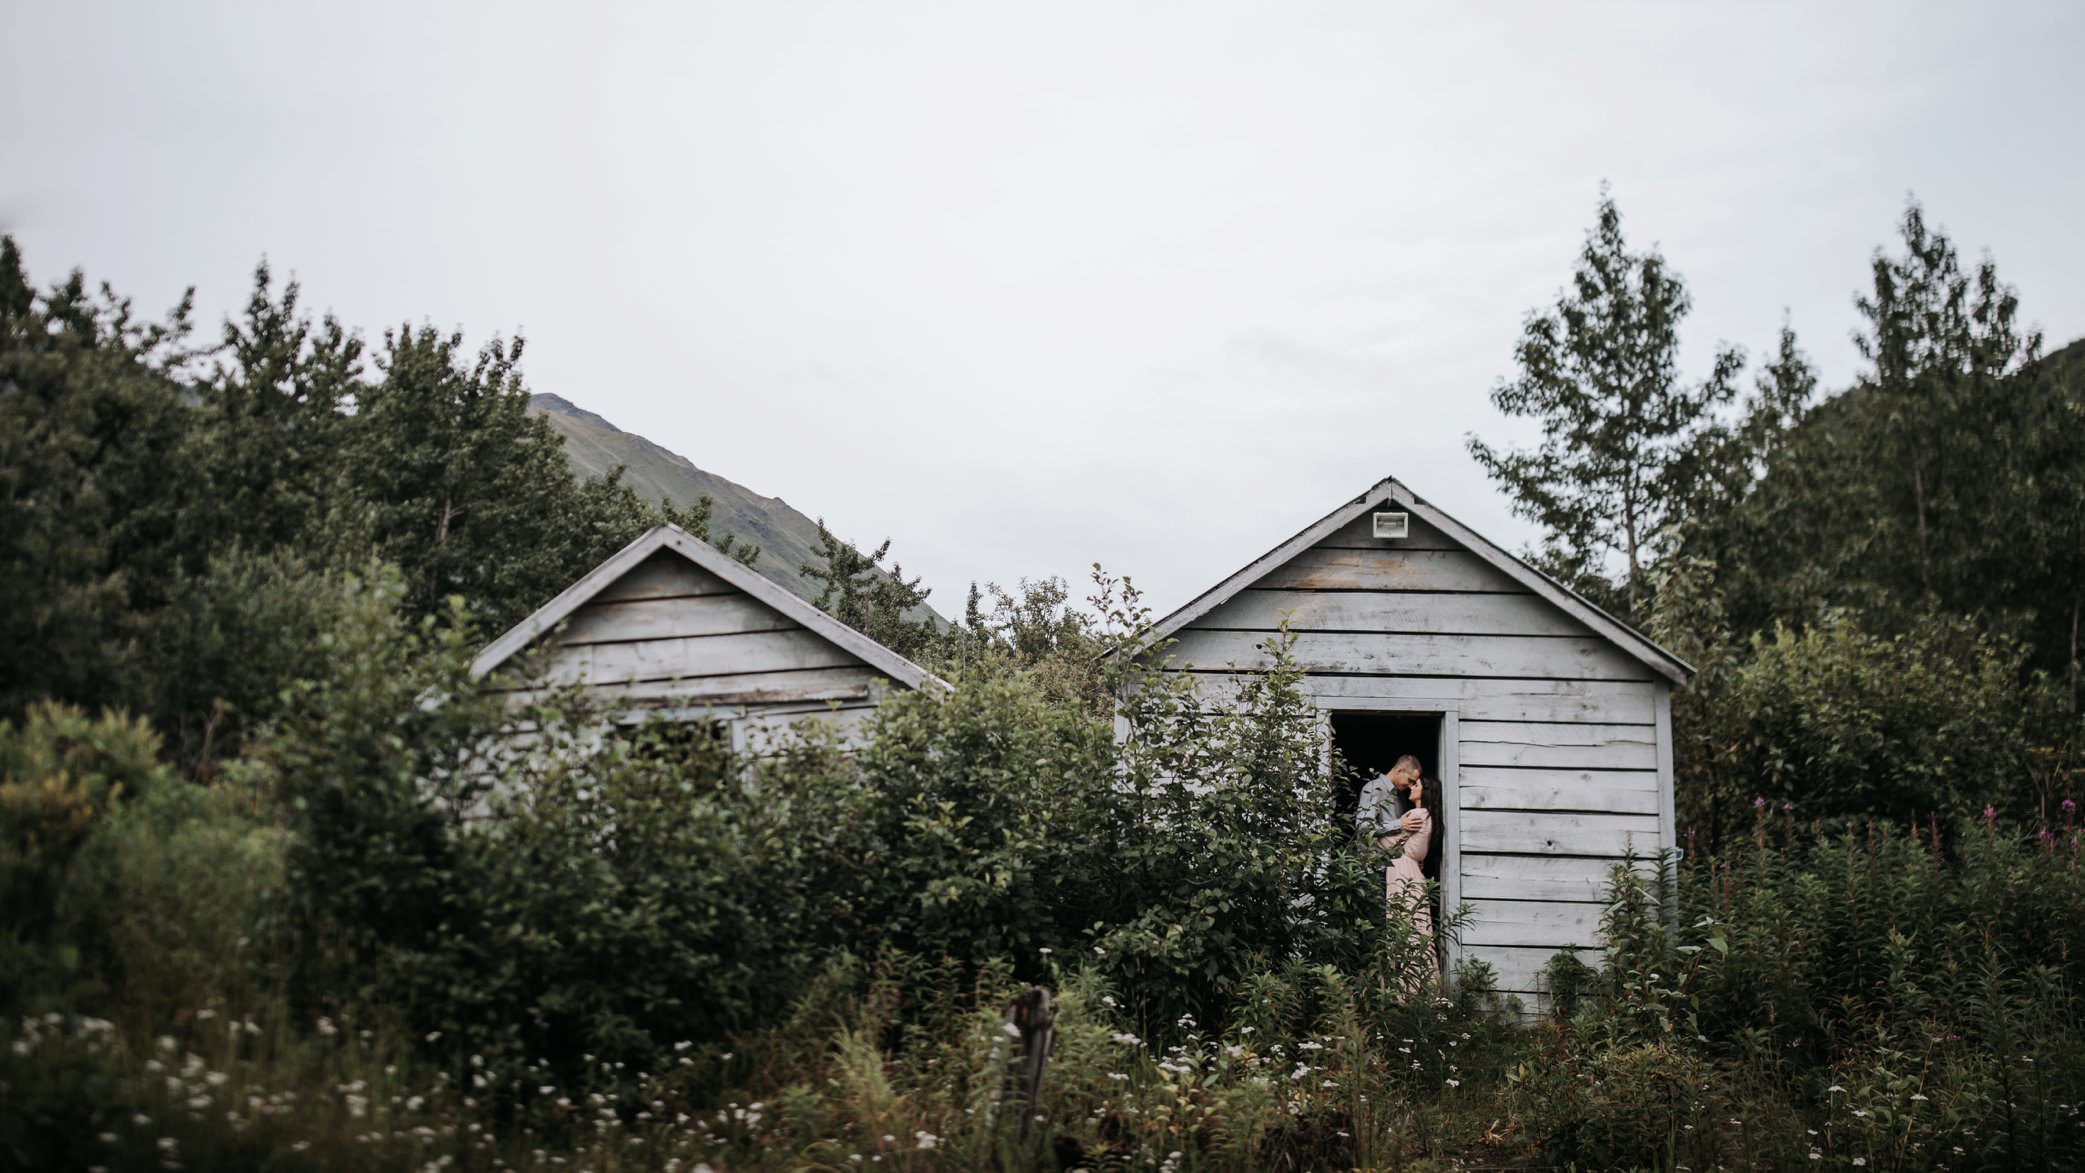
668 536
1389 488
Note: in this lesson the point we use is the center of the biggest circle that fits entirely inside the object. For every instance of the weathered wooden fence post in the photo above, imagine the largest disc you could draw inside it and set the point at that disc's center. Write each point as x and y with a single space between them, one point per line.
1033 1019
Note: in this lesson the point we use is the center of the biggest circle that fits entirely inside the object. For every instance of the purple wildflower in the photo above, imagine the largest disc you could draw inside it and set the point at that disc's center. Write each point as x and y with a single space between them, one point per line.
2070 806
1990 813
1787 808
1758 802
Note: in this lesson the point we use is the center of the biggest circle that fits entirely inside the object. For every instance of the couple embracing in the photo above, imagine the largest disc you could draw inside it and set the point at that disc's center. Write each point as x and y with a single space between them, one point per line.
1397 809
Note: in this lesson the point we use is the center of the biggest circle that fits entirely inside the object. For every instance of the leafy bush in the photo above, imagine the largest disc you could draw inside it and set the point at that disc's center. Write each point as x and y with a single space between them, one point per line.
992 829
176 903
1624 1107
61 774
1843 723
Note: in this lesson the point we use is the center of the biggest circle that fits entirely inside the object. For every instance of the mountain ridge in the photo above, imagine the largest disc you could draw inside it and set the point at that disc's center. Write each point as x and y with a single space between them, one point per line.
787 538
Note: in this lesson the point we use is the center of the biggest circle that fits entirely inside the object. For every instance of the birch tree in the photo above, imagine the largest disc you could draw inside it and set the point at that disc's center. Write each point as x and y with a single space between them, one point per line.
1620 426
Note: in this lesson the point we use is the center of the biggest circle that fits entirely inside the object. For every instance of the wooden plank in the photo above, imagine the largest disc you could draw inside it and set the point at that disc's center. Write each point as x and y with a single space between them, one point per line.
1538 877
811 684
1589 734
1545 833
636 619
1359 534
1477 698
1590 658
1543 790
1262 610
663 575
765 734
1668 828
1507 777
1259 567
1549 924
1649 654
1451 814
1619 756
712 655
757 688
1519 969
1388 570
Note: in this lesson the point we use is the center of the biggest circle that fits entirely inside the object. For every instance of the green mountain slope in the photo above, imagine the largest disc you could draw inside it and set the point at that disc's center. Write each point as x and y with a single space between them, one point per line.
595 447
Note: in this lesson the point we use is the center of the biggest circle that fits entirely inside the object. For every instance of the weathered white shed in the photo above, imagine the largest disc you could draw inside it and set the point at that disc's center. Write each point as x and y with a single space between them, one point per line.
1547 720
672 627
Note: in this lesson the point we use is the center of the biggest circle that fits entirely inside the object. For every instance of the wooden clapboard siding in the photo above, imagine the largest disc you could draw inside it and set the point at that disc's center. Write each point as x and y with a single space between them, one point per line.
670 628
750 688
692 657
1538 877
762 732
672 638
628 620
663 575
1559 746
1550 924
1632 792
1391 611
1519 969
1404 570
1477 698
1559 833
1587 658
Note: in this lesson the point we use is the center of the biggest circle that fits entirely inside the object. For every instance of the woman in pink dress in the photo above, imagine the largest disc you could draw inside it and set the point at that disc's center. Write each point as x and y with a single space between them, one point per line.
1409 846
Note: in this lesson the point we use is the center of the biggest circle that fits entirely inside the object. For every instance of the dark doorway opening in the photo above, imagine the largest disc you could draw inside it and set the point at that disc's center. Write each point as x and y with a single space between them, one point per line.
1366 745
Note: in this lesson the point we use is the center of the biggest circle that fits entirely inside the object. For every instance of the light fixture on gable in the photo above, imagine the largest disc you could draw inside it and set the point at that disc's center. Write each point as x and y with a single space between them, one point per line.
1393 525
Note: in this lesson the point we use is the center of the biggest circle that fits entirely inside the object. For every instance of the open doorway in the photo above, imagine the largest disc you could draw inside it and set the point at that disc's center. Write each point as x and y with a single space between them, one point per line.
1366 745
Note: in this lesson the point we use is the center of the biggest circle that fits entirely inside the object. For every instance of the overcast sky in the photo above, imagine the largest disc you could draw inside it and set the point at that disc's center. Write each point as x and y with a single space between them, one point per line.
1149 285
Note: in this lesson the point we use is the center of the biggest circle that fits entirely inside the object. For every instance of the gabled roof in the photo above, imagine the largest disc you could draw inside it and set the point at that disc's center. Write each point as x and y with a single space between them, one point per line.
1390 490
895 667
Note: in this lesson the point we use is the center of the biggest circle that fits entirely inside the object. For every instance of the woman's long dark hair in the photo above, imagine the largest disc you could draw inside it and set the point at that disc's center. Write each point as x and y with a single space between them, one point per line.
1430 802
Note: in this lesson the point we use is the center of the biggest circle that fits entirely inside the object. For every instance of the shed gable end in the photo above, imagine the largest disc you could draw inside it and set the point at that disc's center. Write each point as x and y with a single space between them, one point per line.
1422 605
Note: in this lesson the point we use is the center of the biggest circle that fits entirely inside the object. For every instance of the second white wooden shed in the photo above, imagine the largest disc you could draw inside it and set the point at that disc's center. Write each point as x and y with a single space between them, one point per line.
672 627
1547 720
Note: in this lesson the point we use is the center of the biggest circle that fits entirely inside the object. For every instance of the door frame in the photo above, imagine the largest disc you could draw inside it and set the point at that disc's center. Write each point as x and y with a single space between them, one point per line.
1449 755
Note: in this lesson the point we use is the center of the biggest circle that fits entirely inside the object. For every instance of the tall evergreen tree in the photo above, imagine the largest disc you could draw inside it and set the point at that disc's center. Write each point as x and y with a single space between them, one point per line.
465 490
272 417
1941 345
1935 482
91 484
1620 455
858 590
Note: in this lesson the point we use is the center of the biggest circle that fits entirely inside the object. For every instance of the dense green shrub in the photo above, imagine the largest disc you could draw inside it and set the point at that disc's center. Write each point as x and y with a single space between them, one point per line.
62 773
1861 996
177 903
1843 723
993 826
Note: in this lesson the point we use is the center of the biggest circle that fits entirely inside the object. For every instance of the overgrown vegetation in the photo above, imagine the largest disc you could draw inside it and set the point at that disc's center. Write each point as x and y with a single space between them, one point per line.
276 898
